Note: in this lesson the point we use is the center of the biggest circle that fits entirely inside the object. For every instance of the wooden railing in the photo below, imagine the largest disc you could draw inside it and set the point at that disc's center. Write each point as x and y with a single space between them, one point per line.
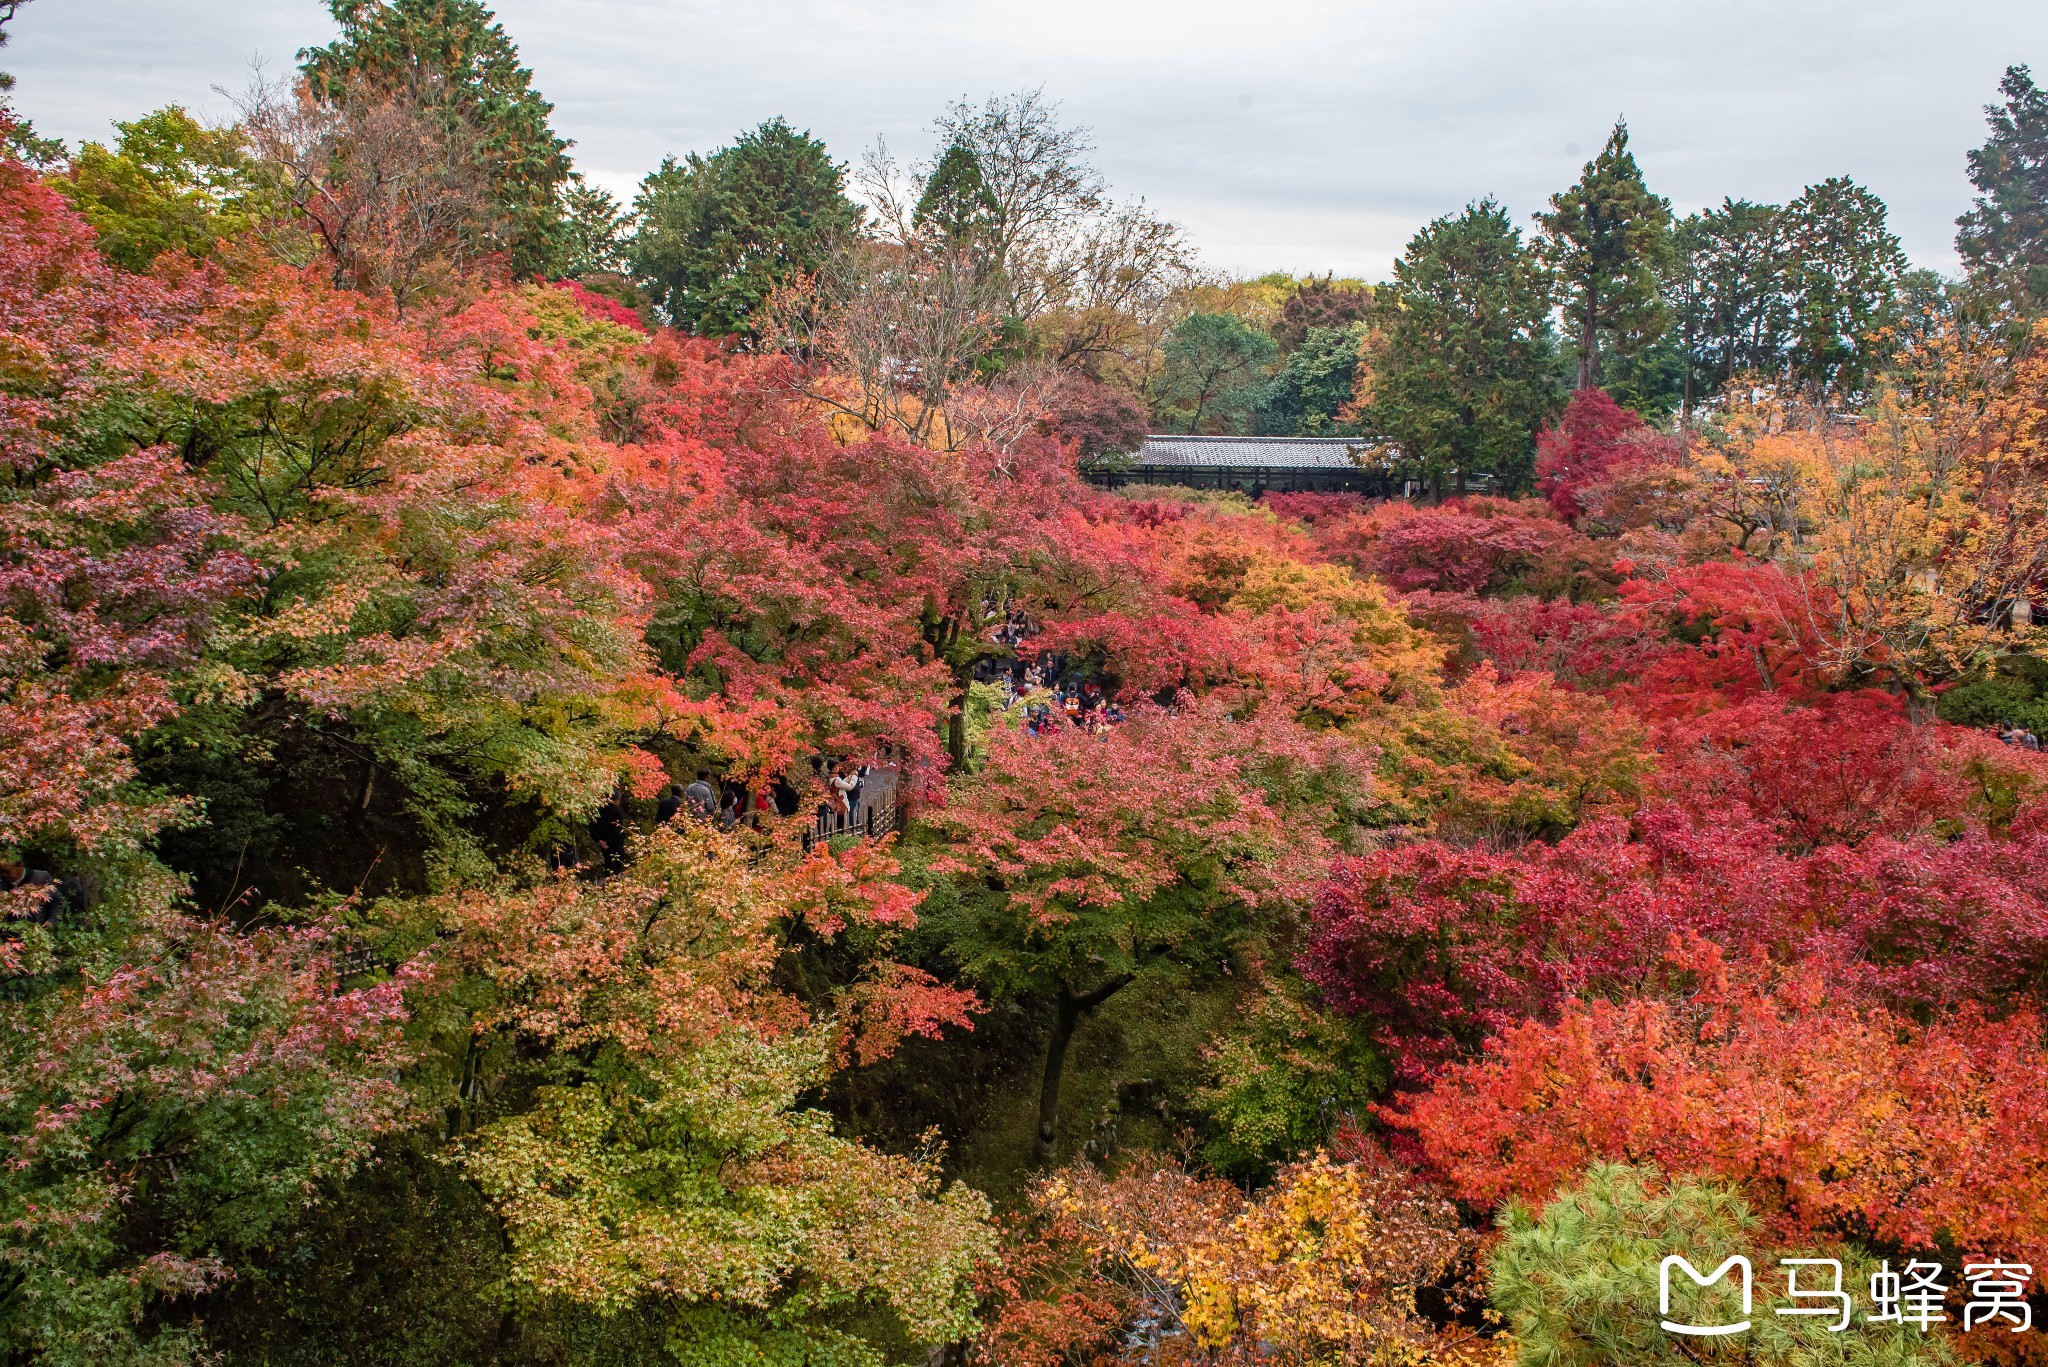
873 817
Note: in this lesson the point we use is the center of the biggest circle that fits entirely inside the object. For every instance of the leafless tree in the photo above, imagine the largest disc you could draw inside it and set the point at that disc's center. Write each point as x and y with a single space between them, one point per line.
1058 272
380 183
1055 243
886 331
1124 269
999 413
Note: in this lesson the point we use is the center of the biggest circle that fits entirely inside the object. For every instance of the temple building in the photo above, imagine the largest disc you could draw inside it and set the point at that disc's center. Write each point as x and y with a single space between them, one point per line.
1253 465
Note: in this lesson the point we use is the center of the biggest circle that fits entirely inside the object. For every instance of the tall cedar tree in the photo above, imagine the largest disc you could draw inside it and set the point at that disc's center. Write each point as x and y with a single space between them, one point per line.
1732 310
594 232
1466 373
719 234
1842 266
2003 240
1606 237
453 57
1682 289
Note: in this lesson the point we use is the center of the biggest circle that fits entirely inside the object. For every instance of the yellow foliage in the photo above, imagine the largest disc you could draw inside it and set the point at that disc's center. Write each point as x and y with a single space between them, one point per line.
1917 527
1319 1270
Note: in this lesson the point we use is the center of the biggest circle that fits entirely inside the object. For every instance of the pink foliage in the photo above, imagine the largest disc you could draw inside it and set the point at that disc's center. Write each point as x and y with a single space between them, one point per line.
1160 652
1581 644
1846 766
208 1060
1839 1116
1153 512
109 572
1075 823
1470 545
601 307
898 1002
1732 629
1423 941
1314 509
1094 418
1439 947
838 575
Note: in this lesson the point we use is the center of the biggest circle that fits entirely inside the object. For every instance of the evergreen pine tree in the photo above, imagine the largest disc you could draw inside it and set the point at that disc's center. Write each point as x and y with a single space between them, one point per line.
1733 314
1583 1284
1213 372
453 57
2003 240
957 202
1467 370
1842 268
1310 391
719 234
1606 238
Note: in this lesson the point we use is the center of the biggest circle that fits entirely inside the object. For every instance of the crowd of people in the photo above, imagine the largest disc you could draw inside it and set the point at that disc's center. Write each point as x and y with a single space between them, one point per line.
1077 705
1042 684
2011 733
1050 699
1015 628
708 797
711 798
850 800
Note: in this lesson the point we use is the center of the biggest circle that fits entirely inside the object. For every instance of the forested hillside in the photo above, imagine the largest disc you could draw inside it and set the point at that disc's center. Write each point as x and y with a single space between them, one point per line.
597 786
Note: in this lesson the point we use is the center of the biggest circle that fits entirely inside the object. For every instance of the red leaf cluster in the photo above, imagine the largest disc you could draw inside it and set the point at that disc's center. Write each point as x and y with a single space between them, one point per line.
1838 1117
1593 441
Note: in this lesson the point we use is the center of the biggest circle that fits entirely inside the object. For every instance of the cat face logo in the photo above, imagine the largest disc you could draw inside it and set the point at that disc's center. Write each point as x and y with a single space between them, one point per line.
1701 1330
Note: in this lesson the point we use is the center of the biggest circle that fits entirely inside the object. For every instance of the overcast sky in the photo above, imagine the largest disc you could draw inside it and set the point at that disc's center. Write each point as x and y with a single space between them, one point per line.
1283 134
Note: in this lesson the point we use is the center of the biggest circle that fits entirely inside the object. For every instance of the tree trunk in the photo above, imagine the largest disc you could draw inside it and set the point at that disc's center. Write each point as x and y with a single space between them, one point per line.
1066 1017
1588 369
956 731
1685 391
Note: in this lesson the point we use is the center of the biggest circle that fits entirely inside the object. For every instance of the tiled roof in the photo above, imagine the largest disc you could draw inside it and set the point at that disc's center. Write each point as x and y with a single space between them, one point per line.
1270 453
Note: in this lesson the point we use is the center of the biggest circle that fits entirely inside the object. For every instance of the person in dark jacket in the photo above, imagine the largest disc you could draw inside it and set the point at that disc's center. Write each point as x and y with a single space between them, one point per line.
608 830
15 874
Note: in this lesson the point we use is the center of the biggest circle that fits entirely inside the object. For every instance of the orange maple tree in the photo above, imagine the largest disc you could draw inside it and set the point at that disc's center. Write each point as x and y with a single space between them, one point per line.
1837 1116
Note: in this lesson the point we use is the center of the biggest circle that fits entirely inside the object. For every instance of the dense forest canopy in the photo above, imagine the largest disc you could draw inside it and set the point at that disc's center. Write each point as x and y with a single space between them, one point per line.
592 783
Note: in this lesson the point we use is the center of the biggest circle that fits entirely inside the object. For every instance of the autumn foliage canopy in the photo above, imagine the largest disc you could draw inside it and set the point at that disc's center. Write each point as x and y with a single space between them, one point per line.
1100 925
